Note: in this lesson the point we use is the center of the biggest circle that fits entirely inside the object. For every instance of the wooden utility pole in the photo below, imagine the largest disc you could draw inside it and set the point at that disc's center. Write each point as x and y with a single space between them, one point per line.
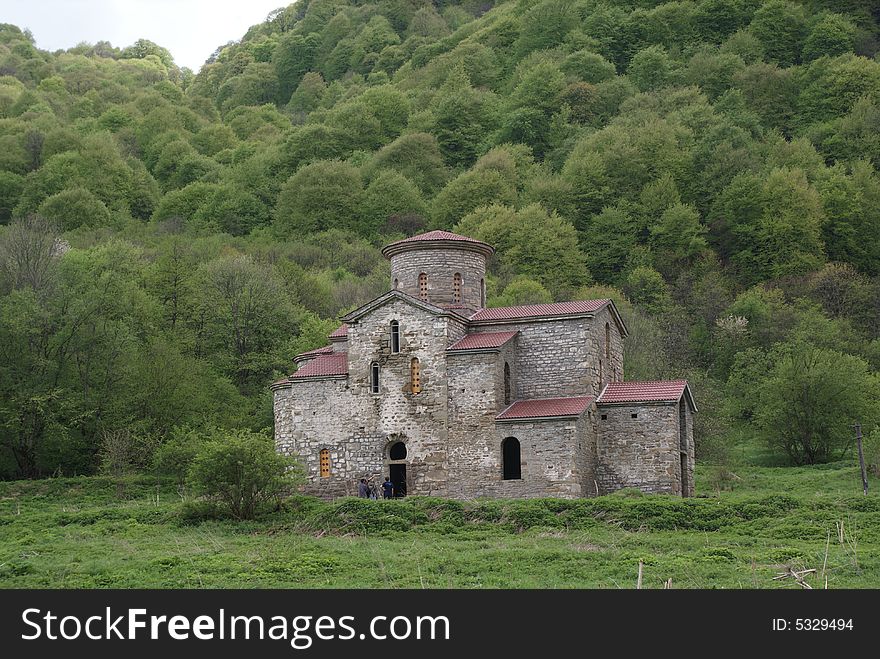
858 428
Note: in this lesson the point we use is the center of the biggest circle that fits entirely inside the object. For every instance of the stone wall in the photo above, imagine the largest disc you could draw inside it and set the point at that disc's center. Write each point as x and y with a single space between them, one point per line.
357 425
641 451
441 265
549 460
555 358
689 434
612 365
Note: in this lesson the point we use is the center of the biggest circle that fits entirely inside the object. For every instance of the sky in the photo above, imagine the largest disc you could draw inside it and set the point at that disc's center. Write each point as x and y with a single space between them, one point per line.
190 29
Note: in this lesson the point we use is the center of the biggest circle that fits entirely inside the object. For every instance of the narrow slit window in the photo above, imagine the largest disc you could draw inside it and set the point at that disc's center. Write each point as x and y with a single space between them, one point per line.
607 343
415 376
423 286
395 336
456 288
506 383
374 378
325 462
483 293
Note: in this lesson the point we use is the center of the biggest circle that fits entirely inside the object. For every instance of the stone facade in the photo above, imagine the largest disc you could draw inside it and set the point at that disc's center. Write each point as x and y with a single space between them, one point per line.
452 384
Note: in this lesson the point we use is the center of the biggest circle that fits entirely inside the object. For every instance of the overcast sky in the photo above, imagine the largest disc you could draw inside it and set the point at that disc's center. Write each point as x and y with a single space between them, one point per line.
190 29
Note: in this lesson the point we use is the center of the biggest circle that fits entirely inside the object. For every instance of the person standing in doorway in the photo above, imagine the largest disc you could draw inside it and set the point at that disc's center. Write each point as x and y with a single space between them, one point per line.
387 488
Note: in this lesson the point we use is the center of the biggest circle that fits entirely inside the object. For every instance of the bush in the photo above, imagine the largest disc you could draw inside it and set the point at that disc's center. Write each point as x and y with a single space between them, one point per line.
242 471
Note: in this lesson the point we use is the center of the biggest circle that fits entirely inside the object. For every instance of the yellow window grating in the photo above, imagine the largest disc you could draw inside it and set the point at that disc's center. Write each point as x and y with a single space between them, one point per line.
423 286
415 377
456 288
325 463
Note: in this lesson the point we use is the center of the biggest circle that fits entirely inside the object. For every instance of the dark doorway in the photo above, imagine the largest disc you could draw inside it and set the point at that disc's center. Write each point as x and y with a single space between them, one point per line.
398 478
510 459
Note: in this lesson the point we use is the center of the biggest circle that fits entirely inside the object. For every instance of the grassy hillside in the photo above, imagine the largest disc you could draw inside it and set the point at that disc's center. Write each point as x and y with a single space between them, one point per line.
76 533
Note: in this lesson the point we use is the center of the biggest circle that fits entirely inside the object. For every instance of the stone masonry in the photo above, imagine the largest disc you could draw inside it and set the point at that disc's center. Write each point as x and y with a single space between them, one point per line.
514 402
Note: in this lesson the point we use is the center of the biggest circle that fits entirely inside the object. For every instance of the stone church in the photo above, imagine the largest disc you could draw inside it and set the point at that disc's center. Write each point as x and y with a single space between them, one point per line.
449 398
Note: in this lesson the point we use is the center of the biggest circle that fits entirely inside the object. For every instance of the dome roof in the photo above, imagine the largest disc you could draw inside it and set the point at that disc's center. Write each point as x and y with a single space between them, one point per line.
437 240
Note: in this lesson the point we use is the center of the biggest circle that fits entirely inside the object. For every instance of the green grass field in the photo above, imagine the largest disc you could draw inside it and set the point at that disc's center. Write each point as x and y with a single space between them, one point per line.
76 533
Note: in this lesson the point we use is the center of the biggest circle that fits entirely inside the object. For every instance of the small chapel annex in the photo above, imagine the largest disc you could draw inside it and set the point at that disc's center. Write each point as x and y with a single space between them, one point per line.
449 398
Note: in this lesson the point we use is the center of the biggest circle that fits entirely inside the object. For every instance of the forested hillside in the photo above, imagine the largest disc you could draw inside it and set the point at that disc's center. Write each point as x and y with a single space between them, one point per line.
172 240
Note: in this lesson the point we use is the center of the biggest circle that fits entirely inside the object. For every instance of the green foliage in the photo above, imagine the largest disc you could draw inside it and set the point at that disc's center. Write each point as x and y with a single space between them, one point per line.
803 399
75 208
717 160
530 242
469 191
320 196
243 471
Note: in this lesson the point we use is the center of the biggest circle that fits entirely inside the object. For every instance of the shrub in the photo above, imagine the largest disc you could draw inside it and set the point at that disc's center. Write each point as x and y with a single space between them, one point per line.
243 471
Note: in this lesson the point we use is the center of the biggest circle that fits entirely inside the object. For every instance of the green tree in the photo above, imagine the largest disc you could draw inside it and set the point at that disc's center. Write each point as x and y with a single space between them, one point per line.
243 471
781 27
322 195
531 242
805 402
831 35
389 194
75 208
521 290
418 157
652 68
464 116
243 319
469 191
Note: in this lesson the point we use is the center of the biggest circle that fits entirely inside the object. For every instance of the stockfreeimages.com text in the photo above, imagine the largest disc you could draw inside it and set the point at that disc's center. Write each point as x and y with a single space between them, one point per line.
301 631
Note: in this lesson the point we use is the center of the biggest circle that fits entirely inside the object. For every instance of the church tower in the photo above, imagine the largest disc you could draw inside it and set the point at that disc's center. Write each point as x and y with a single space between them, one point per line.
442 268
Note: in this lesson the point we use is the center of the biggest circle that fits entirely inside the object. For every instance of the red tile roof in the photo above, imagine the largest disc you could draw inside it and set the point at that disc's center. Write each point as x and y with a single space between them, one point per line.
532 310
339 332
546 407
326 350
658 391
324 366
437 236
485 340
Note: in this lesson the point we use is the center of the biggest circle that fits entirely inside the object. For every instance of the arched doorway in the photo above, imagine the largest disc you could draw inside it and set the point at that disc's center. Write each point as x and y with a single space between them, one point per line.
395 465
511 461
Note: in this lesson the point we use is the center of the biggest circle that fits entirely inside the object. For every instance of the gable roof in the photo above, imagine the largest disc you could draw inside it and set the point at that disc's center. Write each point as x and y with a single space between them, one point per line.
332 365
534 311
437 239
372 305
545 408
653 391
482 341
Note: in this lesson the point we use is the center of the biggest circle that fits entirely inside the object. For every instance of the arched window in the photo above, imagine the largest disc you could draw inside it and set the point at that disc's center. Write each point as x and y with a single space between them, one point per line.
374 378
510 459
397 451
396 283
415 376
483 293
324 459
423 287
395 337
607 343
506 383
456 288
